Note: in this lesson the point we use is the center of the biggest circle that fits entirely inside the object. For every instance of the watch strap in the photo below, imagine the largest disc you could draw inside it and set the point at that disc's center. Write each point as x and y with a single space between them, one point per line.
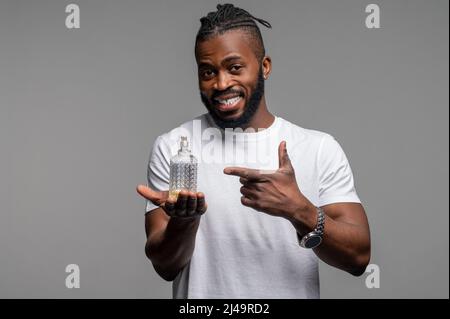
318 230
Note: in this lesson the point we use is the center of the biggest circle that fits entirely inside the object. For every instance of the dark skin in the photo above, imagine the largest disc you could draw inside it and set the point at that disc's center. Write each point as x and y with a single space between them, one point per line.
228 61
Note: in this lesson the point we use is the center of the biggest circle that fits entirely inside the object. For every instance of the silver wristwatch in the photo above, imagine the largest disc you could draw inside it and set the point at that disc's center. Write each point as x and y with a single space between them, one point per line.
314 238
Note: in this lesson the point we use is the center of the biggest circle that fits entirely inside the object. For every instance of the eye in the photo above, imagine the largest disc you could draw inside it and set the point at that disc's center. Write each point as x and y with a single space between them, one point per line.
207 73
235 67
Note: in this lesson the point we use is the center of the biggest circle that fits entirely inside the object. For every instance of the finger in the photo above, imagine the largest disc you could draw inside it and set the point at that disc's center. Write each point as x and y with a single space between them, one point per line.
201 203
169 207
283 157
157 198
252 184
243 181
247 173
191 205
247 201
180 206
255 186
248 192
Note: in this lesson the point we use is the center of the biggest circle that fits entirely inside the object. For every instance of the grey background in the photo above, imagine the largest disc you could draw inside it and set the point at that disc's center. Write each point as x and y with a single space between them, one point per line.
81 108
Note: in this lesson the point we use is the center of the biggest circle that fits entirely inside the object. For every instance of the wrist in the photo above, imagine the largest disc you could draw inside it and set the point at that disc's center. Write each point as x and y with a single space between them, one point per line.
304 218
313 238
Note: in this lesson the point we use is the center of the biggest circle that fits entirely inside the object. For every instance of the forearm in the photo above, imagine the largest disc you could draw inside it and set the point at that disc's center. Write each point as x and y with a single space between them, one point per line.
345 246
172 249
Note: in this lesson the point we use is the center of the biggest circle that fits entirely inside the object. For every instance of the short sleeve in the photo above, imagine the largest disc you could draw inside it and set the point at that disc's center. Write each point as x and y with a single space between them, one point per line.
158 169
335 175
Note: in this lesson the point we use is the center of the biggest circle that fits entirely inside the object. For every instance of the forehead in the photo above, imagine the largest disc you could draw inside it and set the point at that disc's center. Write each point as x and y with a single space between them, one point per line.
230 43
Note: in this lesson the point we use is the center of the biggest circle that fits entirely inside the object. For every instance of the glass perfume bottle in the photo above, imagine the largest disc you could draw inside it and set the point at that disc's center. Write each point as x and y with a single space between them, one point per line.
183 170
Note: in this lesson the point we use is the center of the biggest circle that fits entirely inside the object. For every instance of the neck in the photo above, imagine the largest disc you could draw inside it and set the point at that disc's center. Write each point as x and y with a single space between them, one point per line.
262 118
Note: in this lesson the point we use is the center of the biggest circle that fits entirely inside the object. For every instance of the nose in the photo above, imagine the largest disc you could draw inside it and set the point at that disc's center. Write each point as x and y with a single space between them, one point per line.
222 81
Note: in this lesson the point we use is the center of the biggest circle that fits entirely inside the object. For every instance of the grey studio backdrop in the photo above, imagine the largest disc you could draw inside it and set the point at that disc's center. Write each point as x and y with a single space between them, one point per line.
81 108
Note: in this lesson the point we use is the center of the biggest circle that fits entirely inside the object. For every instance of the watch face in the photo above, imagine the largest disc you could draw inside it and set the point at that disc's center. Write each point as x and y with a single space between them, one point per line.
313 241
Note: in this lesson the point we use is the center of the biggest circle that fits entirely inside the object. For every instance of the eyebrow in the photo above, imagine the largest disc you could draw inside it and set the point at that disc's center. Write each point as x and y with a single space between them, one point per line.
224 61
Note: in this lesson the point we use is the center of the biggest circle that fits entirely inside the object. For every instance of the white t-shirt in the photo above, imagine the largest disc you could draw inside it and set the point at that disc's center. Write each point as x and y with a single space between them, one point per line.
240 252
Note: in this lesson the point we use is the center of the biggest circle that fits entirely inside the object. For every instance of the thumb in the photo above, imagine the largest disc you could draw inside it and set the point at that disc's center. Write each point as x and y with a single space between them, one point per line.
157 198
283 157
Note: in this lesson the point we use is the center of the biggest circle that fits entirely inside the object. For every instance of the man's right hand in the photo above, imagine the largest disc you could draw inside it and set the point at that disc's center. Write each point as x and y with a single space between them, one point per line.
188 204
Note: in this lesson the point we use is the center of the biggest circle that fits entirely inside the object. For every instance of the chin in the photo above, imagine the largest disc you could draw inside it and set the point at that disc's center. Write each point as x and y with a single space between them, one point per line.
230 117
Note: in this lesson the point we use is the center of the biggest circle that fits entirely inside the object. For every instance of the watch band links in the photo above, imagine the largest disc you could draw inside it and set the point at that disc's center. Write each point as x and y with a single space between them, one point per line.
317 232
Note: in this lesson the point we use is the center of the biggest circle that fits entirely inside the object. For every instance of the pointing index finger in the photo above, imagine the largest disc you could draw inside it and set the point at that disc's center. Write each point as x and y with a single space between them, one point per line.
248 173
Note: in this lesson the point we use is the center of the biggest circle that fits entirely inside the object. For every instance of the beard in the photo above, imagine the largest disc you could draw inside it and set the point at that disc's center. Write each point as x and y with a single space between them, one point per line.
250 107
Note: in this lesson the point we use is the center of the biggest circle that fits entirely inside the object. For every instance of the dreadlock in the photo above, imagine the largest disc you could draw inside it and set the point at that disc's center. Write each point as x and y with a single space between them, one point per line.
229 17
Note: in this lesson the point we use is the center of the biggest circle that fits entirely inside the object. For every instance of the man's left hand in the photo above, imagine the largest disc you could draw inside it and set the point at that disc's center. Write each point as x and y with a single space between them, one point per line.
272 192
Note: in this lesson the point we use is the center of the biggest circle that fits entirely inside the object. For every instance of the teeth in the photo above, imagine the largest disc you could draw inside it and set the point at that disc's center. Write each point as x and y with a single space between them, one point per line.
229 101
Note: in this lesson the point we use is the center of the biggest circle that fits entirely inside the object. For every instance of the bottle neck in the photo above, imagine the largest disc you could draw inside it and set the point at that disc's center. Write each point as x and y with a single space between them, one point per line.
184 151
184 147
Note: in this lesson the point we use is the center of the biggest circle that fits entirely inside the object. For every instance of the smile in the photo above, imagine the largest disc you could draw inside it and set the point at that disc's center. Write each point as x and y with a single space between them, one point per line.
228 104
231 101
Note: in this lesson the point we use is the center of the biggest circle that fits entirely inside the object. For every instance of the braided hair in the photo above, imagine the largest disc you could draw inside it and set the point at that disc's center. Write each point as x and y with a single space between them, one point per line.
229 17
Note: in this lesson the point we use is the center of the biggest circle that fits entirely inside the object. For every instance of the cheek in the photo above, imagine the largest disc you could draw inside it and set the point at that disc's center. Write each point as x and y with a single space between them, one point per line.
204 88
249 81
202 85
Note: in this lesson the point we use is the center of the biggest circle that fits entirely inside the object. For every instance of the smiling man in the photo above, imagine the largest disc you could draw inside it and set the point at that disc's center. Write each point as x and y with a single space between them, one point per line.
256 230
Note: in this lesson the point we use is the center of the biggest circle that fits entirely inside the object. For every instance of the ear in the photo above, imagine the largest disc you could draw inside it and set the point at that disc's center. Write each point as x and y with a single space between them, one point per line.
267 66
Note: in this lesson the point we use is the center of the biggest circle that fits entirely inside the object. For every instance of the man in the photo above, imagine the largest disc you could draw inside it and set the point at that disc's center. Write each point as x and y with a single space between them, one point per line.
264 226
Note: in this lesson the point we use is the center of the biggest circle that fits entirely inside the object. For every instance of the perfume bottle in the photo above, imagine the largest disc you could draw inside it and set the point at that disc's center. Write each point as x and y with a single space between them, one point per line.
183 170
